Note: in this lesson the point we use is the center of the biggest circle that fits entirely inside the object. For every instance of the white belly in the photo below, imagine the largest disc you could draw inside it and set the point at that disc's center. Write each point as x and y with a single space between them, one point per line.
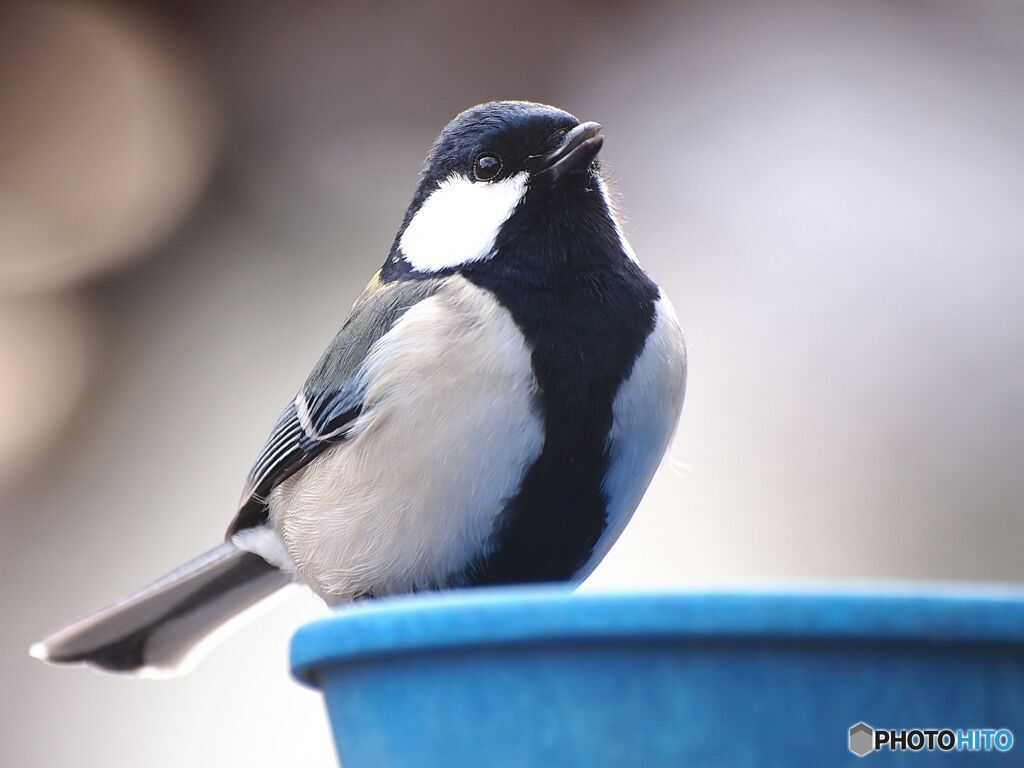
448 429
644 419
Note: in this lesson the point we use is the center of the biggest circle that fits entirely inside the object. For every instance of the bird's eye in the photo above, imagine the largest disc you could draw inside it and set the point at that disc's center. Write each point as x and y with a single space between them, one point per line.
486 166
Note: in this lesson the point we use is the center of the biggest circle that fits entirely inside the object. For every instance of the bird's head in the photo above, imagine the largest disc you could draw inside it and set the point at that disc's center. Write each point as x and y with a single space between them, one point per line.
497 171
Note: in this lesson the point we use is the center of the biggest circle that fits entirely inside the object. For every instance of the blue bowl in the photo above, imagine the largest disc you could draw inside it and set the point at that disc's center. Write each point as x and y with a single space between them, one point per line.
542 677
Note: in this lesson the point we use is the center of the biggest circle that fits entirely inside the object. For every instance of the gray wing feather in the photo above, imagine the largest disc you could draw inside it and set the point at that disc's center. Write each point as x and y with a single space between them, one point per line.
332 396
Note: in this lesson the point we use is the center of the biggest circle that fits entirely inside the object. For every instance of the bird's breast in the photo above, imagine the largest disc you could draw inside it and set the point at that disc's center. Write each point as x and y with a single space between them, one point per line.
586 330
449 427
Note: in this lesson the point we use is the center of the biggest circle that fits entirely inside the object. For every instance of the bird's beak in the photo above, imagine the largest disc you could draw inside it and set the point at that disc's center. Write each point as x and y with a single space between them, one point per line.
578 148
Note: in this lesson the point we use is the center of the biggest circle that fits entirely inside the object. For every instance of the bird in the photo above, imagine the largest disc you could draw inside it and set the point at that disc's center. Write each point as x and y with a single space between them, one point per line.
491 412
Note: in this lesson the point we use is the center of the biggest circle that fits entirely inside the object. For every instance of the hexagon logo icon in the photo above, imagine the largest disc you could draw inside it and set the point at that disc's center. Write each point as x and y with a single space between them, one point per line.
862 739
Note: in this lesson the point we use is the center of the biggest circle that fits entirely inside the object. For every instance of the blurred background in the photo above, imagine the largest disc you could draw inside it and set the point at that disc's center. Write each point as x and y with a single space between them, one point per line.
193 193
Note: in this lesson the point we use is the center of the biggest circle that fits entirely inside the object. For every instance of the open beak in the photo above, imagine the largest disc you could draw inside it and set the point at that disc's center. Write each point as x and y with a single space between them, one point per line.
578 149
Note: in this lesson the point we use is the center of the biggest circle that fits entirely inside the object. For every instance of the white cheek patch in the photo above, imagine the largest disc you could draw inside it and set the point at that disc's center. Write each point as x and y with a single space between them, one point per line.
459 222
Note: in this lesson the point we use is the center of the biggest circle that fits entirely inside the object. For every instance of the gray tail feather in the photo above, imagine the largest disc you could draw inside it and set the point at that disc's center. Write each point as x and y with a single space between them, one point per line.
153 631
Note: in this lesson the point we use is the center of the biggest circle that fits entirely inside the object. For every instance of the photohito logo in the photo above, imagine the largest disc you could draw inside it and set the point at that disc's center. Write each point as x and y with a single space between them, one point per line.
865 739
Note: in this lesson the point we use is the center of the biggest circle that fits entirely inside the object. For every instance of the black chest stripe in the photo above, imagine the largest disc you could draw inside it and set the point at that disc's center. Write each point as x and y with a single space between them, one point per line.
586 322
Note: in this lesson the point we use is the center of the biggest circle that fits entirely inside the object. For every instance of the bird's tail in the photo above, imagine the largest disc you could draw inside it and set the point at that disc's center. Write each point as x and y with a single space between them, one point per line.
155 630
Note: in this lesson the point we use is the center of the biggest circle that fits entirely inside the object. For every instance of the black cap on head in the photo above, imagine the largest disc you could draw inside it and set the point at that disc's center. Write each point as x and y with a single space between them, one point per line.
500 139
500 173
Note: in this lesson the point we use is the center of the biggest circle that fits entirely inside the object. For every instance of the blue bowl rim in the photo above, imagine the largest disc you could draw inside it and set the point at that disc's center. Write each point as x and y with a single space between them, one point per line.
523 616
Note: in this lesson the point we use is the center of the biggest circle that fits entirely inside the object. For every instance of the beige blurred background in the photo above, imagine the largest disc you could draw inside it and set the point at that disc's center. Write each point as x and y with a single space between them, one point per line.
192 194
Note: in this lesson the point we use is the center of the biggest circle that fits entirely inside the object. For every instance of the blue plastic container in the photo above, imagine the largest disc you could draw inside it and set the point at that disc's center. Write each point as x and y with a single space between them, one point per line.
542 677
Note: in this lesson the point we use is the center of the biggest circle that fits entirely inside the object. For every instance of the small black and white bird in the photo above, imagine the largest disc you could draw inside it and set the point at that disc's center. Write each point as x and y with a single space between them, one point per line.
491 412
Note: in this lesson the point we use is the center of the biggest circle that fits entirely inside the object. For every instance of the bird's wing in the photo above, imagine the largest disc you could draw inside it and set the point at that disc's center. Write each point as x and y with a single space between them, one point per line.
323 410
